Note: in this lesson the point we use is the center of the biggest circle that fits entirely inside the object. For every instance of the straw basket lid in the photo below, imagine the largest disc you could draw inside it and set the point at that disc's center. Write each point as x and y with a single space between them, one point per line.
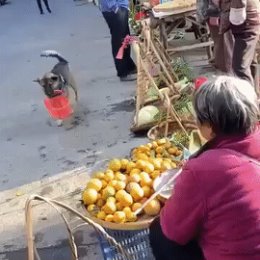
143 222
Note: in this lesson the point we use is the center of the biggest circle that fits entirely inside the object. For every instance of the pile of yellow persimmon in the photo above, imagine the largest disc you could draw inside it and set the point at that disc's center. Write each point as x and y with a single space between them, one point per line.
113 195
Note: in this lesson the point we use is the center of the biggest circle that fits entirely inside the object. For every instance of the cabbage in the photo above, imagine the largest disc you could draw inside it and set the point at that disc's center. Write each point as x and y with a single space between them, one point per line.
147 115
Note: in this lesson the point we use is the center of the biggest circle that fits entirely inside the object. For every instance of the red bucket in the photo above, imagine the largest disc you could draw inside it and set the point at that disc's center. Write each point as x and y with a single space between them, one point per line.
58 107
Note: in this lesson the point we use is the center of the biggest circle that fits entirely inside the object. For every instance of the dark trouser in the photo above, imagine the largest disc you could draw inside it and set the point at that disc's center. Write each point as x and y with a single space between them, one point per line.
119 29
165 249
223 49
244 59
39 2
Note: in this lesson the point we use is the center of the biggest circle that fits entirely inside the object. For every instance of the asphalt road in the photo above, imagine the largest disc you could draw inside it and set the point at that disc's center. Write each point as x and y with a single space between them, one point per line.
31 146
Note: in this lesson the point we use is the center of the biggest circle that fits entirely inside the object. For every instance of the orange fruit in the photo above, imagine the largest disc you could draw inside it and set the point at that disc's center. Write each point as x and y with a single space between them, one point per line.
174 165
140 164
119 206
109 175
112 183
120 176
154 144
131 217
115 165
124 163
168 145
137 192
147 191
149 145
109 218
155 174
111 199
120 185
145 179
109 191
148 167
141 156
166 166
124 198
119 217
104 184
161 141
178 153
131 165
95 184
101 215
109 207
99 175
136 206
100 203
134 171
153 208
135 178
156 163
172 150
93 209
127 209
143 148
89 196
159 149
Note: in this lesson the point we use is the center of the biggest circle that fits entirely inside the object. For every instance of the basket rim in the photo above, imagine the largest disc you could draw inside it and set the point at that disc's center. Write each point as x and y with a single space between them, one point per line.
138 225
190 125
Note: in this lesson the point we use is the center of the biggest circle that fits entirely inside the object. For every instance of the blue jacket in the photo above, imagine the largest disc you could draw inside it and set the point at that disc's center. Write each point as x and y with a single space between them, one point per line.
112 5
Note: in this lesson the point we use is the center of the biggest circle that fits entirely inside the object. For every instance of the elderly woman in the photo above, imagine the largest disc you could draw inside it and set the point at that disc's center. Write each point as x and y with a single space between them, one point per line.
214 213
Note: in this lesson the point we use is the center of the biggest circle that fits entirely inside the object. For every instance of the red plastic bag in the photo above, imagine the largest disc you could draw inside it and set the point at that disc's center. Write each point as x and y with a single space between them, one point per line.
139 16
200 81
58 107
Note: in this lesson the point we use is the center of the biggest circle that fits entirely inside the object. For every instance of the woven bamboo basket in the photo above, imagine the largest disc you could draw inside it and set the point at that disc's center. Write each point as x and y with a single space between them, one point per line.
167 128
123 242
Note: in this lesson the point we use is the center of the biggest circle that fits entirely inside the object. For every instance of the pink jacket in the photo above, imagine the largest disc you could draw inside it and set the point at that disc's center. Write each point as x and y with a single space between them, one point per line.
216 200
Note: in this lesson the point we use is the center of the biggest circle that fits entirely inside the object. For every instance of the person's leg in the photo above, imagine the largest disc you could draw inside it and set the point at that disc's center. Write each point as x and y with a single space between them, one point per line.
244 54
40 6
165 249
126 65
223 49
131 67
47 5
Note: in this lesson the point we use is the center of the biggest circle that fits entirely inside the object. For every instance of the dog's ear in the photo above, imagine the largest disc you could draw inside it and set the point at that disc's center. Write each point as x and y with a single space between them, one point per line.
62 79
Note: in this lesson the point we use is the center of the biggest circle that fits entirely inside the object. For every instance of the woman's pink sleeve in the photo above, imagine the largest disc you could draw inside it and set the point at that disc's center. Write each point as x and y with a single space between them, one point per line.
183 213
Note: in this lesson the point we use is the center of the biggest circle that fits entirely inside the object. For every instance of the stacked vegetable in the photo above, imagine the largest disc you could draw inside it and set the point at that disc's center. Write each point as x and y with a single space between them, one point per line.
115 194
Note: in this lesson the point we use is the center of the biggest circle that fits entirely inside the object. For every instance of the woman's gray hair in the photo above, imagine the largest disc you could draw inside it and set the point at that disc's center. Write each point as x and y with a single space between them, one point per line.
228 104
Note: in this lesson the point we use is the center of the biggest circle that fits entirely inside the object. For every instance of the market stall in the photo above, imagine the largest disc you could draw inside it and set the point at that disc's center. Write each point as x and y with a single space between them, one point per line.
168 17
165 80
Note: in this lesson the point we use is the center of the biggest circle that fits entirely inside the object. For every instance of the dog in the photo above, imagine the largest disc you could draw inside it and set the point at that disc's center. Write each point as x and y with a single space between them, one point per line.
59 81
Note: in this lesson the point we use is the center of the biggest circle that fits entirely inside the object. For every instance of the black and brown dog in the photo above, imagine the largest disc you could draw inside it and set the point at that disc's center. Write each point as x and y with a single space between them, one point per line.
59 81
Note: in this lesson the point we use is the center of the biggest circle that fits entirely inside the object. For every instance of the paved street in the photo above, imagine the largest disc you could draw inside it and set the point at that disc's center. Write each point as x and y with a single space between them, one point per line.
32 149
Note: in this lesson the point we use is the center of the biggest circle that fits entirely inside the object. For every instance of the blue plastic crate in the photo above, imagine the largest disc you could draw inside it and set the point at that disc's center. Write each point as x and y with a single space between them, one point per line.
136 243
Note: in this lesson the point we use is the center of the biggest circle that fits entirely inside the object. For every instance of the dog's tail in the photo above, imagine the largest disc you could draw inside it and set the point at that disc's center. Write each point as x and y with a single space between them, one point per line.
53 54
